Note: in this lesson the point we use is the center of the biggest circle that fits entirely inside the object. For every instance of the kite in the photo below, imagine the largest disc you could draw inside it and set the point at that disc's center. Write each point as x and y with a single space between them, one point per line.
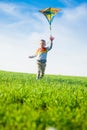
49 14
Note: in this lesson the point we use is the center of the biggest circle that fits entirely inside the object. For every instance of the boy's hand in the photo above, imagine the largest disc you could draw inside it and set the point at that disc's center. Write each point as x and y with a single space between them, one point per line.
30 57
51 38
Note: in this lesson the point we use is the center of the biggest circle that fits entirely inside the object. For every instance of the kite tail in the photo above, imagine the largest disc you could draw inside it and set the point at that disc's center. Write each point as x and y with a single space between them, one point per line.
50 30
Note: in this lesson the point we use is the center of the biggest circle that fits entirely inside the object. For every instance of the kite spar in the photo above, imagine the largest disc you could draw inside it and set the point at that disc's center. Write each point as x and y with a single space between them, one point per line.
49 14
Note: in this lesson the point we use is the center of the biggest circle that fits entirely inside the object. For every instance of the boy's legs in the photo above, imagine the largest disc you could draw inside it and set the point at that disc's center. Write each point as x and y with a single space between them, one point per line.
43 65
40 69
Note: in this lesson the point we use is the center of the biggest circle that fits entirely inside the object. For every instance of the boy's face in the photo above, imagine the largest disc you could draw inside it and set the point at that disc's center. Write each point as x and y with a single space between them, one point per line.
42 43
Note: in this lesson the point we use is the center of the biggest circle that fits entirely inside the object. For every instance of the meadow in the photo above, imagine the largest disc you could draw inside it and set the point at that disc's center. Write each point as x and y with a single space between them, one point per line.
56 101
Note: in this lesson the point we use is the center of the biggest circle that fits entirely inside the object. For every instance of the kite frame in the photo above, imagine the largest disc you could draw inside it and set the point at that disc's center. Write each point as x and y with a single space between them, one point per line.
49 11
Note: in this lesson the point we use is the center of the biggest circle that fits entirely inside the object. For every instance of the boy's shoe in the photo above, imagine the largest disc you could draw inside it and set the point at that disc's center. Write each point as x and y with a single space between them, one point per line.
41 76
37 78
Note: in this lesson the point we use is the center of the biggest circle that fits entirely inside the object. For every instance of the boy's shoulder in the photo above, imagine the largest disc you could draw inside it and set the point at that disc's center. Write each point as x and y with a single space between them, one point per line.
44 48
41 50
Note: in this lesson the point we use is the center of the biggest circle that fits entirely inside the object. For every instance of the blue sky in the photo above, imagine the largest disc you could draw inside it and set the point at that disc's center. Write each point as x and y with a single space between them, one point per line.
22 27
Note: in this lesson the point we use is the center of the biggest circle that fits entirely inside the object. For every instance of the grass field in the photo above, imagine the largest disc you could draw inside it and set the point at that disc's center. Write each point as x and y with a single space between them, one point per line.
59 102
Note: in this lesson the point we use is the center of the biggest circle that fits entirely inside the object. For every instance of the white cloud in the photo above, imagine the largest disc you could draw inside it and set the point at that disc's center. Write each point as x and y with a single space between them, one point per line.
76 14
67 2
72 3
10 9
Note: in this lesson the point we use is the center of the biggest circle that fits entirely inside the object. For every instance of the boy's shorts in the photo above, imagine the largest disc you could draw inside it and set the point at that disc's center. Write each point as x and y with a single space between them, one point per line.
41 66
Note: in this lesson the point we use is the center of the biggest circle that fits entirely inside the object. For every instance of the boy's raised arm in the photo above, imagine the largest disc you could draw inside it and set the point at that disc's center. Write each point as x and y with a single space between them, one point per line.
51 44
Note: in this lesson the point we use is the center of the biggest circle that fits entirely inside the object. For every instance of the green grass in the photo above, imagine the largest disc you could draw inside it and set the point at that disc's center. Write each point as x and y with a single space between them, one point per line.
54 101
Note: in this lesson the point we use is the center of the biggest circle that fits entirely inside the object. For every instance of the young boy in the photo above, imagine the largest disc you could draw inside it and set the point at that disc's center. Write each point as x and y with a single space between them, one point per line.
41 56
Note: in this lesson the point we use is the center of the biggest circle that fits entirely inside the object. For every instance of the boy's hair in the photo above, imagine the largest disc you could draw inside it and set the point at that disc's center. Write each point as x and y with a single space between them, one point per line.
43 40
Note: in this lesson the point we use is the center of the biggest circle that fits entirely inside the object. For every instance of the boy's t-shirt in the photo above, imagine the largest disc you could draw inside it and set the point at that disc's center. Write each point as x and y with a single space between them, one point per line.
41 53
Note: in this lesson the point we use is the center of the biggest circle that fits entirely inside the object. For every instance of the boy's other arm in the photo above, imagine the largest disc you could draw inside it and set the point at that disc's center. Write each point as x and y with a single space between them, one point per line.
32 56
35 55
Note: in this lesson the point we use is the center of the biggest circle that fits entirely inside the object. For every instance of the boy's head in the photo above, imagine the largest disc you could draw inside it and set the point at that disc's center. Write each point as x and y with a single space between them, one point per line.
42 43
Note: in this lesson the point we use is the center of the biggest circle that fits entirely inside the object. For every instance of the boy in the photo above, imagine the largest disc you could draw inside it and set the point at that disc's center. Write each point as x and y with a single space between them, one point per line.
41 56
